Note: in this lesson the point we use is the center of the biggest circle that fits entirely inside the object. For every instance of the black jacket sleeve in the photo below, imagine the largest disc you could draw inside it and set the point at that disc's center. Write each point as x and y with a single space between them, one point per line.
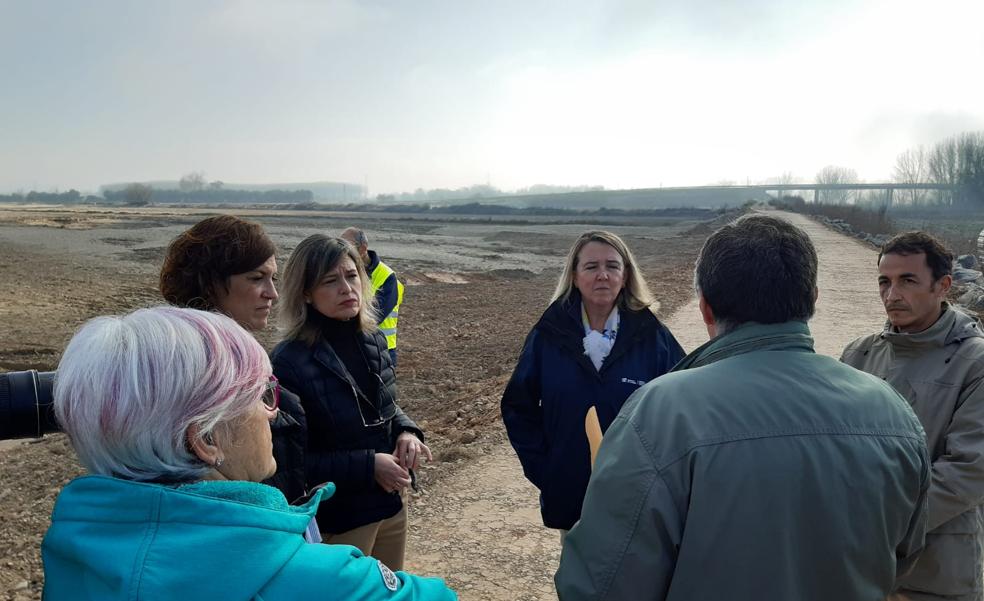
674 352
522 413
289 432
401 421
354 469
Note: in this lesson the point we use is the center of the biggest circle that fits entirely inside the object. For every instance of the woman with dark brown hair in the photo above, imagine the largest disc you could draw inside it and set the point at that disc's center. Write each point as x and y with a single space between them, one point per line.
223 264
229 265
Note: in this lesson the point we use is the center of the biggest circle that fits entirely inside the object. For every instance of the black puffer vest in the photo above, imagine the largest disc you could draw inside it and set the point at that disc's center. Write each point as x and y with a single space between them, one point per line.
345 428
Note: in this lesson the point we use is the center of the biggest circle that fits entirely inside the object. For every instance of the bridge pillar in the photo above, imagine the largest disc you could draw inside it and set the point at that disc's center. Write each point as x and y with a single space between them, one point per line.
889 195
816 195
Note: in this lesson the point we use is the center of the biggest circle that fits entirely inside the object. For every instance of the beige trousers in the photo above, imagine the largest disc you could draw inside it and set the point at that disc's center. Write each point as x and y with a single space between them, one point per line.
386 540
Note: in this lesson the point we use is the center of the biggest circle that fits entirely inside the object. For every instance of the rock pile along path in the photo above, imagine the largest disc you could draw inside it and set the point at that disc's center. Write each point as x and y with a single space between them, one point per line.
480 529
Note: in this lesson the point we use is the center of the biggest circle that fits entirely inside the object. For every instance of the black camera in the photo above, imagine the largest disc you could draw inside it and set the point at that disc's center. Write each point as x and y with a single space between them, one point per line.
26 409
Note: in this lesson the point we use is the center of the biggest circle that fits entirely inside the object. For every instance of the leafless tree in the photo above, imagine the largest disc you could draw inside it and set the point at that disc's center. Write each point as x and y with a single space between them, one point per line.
970 168
786 178
192 182
958 163
942 165
138 194
911 167
832 174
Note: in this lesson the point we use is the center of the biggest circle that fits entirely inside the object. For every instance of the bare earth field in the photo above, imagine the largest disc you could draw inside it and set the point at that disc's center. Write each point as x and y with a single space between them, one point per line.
475 286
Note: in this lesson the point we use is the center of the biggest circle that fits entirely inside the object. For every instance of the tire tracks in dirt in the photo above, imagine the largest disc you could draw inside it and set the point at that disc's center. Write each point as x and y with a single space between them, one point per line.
480 528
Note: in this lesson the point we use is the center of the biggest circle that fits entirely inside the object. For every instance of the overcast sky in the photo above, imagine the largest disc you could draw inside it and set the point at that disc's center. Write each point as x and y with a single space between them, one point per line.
619 93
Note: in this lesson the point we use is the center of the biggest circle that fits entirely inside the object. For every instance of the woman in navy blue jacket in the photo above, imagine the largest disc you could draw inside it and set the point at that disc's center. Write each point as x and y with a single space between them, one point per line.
596 343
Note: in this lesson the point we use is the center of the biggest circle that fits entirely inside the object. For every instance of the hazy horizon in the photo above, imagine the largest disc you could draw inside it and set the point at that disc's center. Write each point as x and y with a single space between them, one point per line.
618 93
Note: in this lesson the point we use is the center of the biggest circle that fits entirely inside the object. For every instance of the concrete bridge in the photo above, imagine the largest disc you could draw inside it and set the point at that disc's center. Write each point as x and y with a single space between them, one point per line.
889 188
817 188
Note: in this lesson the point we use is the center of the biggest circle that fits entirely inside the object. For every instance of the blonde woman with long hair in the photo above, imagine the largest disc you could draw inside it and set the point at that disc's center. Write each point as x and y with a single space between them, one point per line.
596 344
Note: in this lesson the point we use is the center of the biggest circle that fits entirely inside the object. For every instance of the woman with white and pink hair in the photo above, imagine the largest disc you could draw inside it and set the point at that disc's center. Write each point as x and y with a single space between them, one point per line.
169 410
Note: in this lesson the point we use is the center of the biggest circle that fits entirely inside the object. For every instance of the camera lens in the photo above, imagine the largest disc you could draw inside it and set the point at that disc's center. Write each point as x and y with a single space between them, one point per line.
26 404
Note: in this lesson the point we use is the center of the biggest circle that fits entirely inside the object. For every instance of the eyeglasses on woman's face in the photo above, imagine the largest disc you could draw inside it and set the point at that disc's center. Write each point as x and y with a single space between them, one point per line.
271 394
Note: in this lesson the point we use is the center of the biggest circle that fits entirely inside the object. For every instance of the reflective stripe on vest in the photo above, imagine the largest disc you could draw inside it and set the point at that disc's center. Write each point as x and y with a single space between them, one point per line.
377 278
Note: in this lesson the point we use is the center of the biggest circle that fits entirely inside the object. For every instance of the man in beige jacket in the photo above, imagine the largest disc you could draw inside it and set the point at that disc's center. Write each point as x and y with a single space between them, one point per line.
933 355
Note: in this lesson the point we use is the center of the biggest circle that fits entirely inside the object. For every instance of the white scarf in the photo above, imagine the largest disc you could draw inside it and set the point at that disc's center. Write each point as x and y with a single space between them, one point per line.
597 344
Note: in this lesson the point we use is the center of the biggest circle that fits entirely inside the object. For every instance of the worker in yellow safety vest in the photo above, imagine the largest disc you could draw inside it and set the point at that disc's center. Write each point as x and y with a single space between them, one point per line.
388 289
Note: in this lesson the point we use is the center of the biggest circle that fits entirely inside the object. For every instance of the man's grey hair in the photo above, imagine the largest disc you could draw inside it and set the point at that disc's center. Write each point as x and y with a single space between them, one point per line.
358 237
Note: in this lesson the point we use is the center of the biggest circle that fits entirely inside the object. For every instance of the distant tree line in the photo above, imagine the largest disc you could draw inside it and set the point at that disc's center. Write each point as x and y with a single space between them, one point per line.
957 161
140 194
71 197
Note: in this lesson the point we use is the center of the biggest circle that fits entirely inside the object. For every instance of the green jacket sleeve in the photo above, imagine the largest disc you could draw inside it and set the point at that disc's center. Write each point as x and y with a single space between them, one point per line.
625 545
907 551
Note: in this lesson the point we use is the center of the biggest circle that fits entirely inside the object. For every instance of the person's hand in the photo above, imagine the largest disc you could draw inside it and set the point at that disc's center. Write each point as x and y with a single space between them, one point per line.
410 451
389 474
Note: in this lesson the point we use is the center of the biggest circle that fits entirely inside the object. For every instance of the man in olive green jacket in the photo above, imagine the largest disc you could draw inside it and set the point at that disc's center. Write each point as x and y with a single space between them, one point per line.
757 469
933 355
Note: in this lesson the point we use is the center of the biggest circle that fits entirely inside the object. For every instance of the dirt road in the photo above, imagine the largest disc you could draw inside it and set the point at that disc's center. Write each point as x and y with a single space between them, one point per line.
481 529
848 305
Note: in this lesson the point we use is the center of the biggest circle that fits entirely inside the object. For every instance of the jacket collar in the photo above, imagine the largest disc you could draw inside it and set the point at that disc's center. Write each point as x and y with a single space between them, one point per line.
750 337
260 496
562 322
105 498
952 326
373 261
563 317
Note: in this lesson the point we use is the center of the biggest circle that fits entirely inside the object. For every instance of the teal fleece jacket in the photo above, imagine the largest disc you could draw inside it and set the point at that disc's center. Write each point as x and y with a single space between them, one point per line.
113 539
